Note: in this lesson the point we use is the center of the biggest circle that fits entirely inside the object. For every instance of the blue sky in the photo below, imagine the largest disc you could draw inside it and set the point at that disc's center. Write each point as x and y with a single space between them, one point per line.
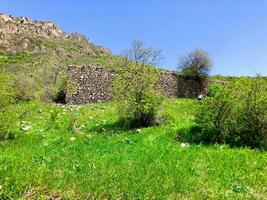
234 32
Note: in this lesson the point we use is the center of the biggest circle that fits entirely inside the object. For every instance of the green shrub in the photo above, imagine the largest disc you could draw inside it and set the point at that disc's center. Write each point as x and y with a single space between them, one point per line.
7 98
213 114
135 86
8 120
139 101
248 125
7 93
236 114
25 88
60 96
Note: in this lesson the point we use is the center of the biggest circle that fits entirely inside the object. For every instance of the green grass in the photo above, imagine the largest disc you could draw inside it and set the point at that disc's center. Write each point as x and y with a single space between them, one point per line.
102 161
12 59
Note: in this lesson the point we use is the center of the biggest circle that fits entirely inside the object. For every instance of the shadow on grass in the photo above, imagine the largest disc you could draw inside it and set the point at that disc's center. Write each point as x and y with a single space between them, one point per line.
124 126
194 135
197 135
113 128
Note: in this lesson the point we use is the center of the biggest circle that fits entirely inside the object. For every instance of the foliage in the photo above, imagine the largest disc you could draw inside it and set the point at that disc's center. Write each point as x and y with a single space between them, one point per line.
7 97
236 114
212 115
25 87
60 96
134 87
12 59
7 93
249 116
195 64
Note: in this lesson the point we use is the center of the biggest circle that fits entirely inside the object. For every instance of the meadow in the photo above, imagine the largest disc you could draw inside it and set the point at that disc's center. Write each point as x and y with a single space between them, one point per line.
79 152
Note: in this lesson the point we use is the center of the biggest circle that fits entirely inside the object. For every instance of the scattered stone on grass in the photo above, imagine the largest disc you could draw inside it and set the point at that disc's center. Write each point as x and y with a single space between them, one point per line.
138 130
26 128
184 145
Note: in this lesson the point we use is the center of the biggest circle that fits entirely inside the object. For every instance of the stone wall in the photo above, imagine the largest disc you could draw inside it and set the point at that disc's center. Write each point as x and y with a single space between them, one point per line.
92 84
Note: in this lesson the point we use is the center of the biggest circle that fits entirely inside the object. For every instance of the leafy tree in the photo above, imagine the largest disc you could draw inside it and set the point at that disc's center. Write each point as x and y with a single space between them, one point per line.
196 64
134 86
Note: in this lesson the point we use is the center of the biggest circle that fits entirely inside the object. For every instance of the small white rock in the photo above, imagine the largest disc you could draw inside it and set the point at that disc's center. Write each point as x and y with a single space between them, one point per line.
26 128
138 130
185 145
82 126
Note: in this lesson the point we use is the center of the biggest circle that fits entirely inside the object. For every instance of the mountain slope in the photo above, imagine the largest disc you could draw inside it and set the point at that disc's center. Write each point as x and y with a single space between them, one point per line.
36 54
20 34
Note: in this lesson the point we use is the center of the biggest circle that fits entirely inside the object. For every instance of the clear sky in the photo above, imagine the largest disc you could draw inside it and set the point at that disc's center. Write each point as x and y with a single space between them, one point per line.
234 32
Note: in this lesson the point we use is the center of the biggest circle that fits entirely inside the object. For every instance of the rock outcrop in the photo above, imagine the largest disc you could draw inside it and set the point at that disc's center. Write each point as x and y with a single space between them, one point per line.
19 34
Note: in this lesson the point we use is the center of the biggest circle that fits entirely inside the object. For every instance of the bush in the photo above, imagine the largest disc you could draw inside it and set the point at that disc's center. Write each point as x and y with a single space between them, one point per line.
236 115
135 86
25 88
134 89
248 125
213 114
60 96
7 98
7 93
8 119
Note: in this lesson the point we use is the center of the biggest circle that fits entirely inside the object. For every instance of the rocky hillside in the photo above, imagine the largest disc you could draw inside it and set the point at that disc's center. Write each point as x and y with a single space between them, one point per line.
36 54
21 34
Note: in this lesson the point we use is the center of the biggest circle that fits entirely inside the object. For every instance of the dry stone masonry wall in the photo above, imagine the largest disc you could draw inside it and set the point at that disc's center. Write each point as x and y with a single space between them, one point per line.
92 84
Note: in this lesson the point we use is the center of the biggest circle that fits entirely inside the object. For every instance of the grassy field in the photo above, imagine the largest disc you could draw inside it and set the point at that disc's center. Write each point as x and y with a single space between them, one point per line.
98 160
